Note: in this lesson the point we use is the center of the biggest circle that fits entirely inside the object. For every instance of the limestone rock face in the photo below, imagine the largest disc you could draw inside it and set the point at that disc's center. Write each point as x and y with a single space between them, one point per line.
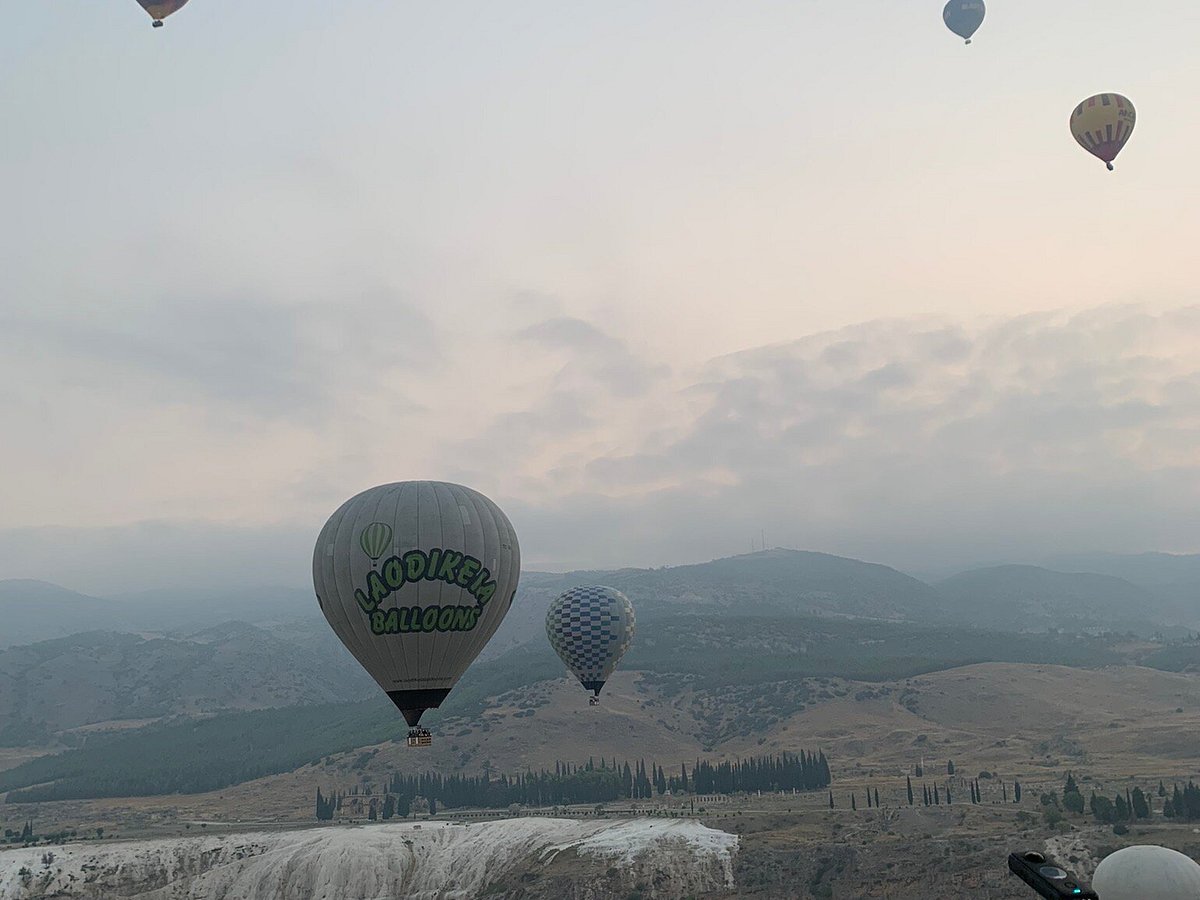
526 857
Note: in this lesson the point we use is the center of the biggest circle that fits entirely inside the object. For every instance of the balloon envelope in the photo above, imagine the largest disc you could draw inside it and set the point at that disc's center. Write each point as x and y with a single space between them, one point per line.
160 9
1102 124
964 17
1147 873
414 578
590 628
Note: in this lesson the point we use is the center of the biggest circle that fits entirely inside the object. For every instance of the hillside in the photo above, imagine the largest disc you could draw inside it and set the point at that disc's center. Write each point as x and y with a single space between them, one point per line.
711 684
774 583
779 581
38 611
1028 598
97 677
1174 578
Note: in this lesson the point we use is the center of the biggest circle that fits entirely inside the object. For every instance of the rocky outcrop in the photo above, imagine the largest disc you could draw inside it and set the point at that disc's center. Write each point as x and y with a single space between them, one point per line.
527 857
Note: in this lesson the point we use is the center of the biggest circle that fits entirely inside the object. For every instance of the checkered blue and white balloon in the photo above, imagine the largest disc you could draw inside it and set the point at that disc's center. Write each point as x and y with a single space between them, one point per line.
590 628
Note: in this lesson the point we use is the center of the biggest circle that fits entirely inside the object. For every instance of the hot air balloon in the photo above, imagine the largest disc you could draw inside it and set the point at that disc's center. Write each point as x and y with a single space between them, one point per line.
375 540
415 578
1102 124
590 628
160 9
964 17
1147 873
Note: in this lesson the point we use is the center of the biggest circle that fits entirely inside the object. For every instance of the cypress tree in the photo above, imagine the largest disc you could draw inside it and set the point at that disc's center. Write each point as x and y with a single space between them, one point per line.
910 792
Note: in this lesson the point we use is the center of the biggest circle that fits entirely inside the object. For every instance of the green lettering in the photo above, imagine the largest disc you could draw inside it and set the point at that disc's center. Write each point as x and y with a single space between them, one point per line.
393 573
376 587
429 619
404 613
450 562
486 592
445 618
470 566
483 576
368 605
434 555
414 619
462 618
414 565
392 624
377 621
475 612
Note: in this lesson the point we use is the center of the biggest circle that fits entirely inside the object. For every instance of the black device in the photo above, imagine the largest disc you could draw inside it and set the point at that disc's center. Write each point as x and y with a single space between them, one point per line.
1047 877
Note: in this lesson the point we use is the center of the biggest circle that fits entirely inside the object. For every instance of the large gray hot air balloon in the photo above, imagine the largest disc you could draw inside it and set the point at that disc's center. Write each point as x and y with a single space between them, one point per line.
590 628
964 17
160 9
414 578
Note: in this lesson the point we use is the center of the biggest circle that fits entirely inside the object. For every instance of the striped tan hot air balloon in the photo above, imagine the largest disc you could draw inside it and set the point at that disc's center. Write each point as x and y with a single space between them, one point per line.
160 9
1102 124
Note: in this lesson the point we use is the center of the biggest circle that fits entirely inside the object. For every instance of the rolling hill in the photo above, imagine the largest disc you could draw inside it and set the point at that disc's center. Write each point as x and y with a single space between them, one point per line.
1028 598
38 611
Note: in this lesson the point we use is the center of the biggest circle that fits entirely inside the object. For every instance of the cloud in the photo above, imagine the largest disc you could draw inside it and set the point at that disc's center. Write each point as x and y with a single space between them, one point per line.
915 442
274 358
594 356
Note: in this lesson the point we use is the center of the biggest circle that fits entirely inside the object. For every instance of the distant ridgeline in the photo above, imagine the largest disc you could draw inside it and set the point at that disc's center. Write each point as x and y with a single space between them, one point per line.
594 782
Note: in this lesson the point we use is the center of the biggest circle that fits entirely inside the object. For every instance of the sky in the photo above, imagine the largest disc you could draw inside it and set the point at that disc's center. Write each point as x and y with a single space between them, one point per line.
661 278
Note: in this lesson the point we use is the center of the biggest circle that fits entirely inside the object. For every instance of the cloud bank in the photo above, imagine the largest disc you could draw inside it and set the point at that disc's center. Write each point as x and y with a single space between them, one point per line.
917 442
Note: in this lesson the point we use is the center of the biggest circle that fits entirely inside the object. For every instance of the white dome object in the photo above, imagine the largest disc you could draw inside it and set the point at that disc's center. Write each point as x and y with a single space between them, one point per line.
1147 873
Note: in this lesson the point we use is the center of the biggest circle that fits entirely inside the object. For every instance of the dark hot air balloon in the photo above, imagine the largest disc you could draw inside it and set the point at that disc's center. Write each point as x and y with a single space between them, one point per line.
160 9
964 17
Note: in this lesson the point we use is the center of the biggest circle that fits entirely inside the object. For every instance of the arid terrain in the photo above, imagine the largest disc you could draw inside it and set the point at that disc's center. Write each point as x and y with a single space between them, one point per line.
998 723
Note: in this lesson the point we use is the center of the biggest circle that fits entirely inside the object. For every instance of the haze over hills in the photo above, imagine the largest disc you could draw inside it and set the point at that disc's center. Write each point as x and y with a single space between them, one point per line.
38 610
1028 598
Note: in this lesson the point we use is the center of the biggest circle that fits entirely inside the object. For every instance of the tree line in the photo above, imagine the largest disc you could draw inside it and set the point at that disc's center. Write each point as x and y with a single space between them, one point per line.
602 781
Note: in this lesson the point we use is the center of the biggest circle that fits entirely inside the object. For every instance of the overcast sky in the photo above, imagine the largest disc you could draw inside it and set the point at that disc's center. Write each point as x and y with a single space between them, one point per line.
654 275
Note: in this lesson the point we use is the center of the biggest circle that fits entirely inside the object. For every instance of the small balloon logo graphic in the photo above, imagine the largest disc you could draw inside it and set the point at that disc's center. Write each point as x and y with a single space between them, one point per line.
375 540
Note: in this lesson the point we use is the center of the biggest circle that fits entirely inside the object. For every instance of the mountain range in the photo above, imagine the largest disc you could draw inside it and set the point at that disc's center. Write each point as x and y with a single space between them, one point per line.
74 660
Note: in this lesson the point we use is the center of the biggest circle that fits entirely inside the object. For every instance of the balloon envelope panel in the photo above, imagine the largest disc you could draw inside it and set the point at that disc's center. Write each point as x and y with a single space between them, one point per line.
590 628
1147 873
415 578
